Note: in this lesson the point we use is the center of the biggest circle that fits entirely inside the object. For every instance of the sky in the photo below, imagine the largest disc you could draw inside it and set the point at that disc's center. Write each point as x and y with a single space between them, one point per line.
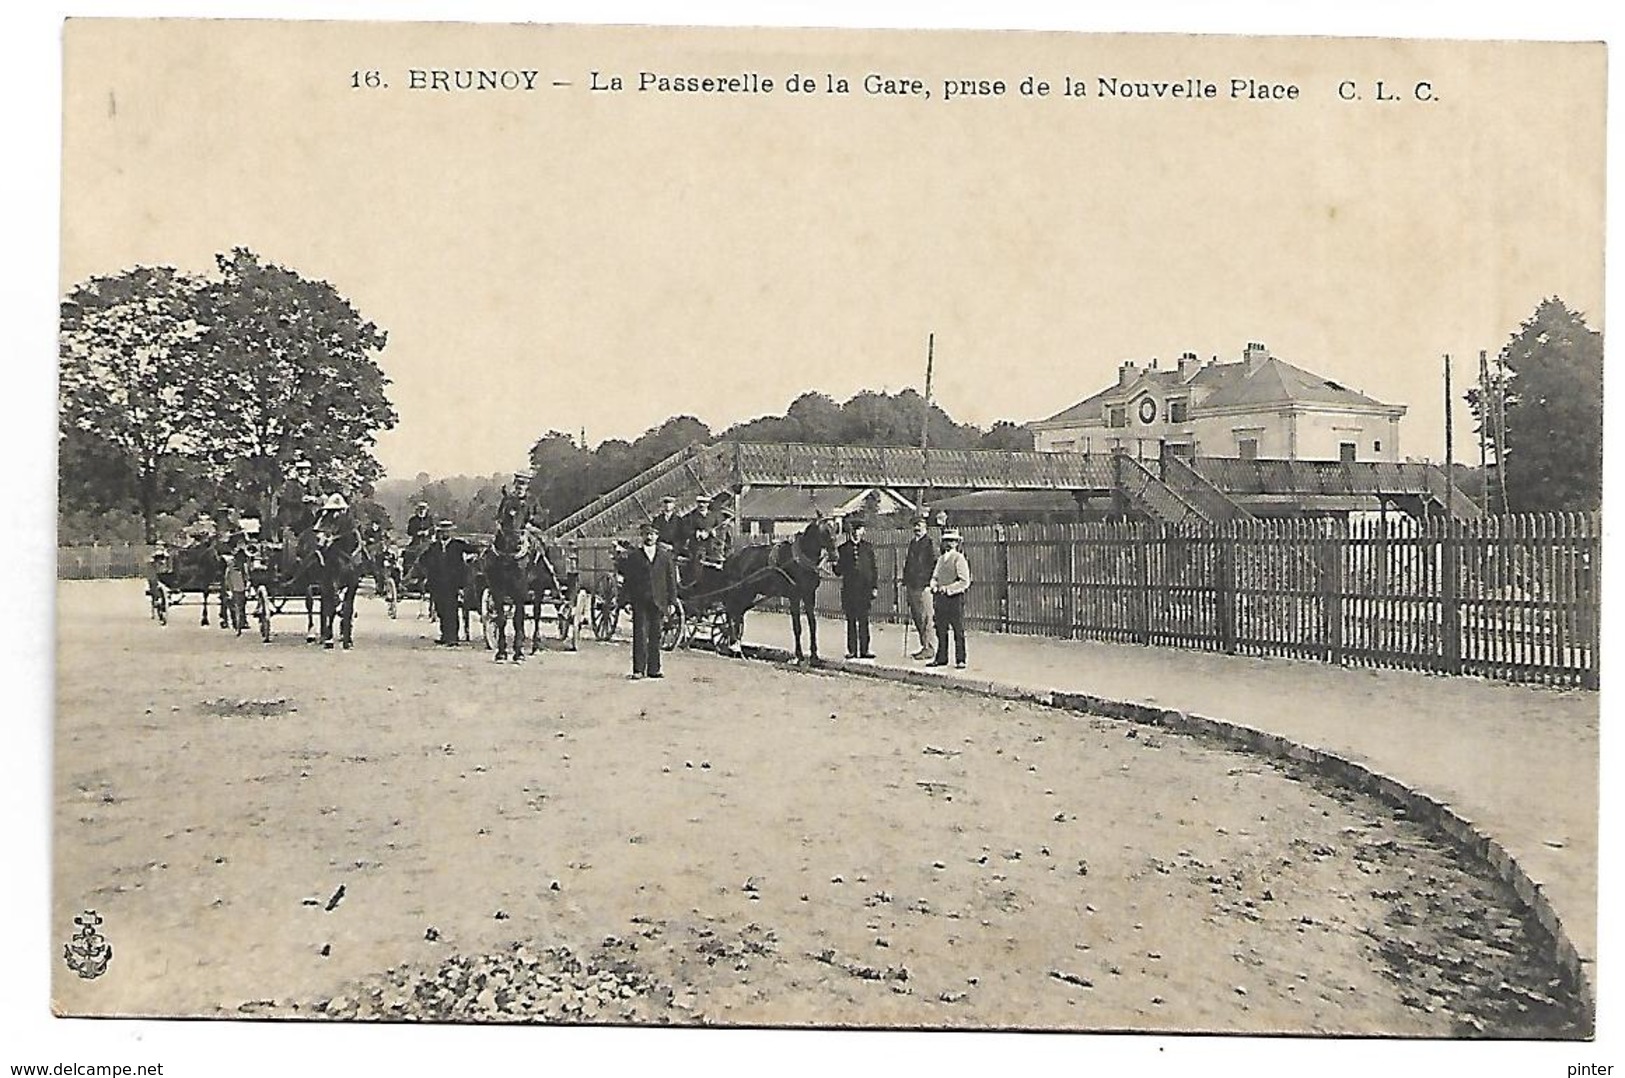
597 262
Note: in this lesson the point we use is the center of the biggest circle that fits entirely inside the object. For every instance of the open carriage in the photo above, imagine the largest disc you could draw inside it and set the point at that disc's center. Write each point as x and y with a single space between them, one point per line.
699 613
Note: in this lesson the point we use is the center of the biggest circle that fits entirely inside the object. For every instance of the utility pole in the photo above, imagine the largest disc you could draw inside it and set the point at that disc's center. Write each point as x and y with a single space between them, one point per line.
1484 424
1501 427
925 420
1449 442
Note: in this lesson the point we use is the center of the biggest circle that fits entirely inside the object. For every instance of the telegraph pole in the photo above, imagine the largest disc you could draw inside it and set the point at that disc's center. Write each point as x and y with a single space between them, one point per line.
1484 424
925 420
1449 441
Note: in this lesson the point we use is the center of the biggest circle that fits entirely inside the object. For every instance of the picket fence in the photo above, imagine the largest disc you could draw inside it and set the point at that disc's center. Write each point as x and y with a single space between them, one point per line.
1515 598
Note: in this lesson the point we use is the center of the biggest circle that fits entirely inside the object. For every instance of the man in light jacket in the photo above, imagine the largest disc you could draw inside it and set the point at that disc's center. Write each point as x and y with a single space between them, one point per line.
948 585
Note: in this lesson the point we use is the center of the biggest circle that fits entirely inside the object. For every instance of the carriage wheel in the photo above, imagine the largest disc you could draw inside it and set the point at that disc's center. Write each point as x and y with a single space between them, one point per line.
721 632
673 628
605 618
262 612
488 614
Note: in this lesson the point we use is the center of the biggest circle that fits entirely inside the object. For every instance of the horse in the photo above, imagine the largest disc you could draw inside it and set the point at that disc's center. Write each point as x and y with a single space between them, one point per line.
788 569
199 566
340 557
505 573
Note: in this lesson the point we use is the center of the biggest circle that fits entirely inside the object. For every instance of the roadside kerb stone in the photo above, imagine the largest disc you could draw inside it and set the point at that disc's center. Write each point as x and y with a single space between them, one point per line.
1347 772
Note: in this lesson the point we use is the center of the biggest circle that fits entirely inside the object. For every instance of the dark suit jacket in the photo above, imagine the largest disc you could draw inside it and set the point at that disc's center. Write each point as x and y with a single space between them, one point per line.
444 567
650 584
855 565
921 562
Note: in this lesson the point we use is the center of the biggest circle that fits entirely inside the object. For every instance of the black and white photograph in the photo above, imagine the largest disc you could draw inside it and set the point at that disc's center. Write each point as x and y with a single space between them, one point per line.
1090 540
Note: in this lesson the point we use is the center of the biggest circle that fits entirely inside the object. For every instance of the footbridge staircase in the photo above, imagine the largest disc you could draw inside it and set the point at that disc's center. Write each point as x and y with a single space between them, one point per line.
1187 495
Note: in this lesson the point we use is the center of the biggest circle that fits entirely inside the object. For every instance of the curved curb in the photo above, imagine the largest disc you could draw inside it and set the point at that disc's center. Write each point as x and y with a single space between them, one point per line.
1417 805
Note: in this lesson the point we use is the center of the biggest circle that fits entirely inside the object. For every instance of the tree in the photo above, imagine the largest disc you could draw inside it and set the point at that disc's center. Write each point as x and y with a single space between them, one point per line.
1552 456
1007 435
294 376
129 350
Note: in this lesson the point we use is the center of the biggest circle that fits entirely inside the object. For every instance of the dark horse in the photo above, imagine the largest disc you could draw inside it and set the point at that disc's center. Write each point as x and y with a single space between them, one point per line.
200 566
504 573
336 559
788 569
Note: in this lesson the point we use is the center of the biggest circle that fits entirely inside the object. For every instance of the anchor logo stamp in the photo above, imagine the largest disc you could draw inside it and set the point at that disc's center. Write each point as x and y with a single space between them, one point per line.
87 952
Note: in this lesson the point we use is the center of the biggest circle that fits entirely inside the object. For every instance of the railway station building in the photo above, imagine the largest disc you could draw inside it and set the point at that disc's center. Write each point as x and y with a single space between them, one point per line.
1258 407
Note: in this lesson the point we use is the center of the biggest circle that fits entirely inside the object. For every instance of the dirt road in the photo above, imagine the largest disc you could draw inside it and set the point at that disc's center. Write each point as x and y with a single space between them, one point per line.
402 831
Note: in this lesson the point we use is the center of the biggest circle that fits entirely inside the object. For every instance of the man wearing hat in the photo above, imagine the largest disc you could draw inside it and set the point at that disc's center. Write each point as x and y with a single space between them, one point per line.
918 565
445 568
948 585
699 529
418 525
650 582
668 523
860 585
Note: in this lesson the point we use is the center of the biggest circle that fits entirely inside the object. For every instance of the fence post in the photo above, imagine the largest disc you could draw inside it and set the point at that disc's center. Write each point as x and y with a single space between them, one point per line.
1331 591
1142 583
1069 597
1226 597
1450 594
1002 559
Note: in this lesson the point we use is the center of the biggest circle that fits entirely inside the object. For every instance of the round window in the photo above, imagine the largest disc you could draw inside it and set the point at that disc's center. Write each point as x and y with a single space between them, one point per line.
1148 410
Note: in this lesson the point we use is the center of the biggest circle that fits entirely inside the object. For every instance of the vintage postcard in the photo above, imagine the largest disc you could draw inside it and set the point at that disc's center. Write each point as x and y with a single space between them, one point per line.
829 529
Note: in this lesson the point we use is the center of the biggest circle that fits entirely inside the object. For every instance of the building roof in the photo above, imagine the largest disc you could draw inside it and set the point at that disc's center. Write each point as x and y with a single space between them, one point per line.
1028 501
1273 382
1278 382
798 503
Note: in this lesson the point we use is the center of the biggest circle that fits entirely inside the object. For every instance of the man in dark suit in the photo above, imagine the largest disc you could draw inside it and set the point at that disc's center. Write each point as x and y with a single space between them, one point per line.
860 585
650 580
669 524
445 567
918 565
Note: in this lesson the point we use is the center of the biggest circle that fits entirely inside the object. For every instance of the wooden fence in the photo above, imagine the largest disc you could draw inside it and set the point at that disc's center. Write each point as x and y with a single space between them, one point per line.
1515 598
102 561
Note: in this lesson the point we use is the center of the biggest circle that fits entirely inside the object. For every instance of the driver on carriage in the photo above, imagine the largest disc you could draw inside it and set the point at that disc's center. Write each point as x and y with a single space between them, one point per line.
419 528
334 518
703 544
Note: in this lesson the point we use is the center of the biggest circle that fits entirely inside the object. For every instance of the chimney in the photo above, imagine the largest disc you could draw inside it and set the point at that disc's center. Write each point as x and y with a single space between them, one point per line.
1126 373
1187 366
1255 355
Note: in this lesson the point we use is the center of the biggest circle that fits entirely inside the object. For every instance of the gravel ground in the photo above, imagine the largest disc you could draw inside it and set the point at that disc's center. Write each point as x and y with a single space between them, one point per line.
407 833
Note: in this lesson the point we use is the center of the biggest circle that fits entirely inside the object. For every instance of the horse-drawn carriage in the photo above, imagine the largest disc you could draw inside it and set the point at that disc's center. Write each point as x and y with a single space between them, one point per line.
322 572
608 600
714 599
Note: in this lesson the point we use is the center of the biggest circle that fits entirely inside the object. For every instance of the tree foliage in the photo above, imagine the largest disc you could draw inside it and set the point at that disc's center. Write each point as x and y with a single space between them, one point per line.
177 388
293 375
1552 450
130 379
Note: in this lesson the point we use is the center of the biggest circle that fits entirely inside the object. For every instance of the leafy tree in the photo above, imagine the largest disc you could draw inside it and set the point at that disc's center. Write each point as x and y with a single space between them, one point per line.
1008 436
1552 454
129 348
294 375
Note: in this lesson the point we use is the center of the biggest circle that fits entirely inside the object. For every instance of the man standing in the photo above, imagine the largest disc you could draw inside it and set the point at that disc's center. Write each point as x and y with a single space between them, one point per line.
650 576
444 565
918 565
860 584
669 524
948 585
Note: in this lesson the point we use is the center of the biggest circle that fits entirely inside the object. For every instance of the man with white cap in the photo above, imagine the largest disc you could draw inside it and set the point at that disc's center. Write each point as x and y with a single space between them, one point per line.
418 526
949 583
